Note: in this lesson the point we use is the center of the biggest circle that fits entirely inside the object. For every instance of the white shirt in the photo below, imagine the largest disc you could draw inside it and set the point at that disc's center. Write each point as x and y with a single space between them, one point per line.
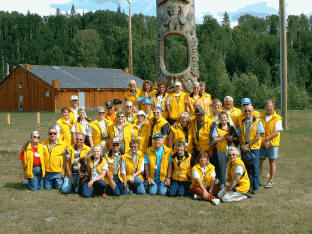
85 127
278 125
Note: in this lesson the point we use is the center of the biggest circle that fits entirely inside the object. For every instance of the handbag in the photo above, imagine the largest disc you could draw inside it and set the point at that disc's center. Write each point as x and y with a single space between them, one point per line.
249 156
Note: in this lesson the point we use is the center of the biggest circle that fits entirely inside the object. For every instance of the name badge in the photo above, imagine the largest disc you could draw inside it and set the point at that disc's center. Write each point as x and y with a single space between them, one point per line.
155 167
179 172
37 155
110 161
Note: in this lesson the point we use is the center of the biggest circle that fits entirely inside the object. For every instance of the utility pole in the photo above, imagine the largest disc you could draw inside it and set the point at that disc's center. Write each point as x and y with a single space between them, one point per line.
283 63
130 41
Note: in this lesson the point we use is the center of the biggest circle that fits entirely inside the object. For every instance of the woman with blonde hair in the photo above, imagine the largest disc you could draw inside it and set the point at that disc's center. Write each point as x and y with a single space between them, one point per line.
33 162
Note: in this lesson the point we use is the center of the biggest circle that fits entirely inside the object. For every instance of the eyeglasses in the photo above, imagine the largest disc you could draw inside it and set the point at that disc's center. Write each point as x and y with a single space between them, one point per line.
52 133
229 155
156 112
78 139
247 111
116 144
128 106
134 146
36 137
120 116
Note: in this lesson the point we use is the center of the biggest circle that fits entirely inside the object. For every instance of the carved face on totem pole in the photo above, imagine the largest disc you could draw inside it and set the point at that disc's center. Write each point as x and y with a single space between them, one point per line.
176 17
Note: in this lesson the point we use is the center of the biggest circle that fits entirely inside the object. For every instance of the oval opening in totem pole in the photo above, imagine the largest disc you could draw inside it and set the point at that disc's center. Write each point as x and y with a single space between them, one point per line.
177 17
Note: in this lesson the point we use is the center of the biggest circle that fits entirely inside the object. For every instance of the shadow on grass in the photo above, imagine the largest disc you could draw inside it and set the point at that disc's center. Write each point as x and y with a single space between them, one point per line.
17 186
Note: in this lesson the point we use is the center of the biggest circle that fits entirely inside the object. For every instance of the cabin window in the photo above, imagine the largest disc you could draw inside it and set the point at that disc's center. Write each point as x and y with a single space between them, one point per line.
20 85
47 93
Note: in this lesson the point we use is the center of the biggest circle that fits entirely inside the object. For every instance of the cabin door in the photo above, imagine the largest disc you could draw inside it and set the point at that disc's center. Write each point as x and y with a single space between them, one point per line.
82 99
20 102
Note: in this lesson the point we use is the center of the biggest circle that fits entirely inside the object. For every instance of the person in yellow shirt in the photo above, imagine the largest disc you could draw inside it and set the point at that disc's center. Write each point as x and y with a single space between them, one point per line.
73 116
237 178
81 125
33 162
64 126
158 166
181 131
121 129
217 107
133 93
148 109
160 98
72 156
54 151
132 168
232 111
176 103
207 99
271 140
249 132
200 129
181 171
199 97
203 179
95 185
98 130
141 130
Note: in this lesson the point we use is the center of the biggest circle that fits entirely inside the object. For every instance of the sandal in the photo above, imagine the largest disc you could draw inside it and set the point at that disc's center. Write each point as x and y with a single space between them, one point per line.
269 184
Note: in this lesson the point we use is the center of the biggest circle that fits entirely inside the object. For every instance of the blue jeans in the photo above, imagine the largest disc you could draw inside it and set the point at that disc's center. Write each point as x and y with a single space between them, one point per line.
98 188
137 186
253 170
53 180
222 165
158 188
36 183
179 188
118 190
68 187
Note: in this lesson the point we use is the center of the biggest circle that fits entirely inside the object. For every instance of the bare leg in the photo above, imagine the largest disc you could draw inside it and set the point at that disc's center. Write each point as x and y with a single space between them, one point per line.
272 168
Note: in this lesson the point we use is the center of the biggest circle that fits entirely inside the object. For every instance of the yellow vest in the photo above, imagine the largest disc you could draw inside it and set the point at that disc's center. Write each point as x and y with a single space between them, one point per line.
142 135
65 134
184 171
97 132
243 183
158 125
130 166
131 97
72 117
235 113
252 133
241 117
126 134
179 135
191 101
207 181
111 118
53 161
29 160
83 153
177 105
221 145
207 100
164 162
269 128
203 144
99 167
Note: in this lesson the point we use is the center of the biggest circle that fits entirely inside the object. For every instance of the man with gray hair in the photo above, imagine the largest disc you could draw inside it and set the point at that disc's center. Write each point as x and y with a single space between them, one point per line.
130 117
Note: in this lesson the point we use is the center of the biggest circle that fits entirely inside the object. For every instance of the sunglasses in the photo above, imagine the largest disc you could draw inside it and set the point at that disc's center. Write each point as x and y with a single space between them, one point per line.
156 112
36 137
134 146
247 111
52 133
128 106
116 144
120 116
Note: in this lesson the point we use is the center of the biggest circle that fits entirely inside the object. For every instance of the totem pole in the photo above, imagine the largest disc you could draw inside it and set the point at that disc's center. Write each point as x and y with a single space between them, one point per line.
177 17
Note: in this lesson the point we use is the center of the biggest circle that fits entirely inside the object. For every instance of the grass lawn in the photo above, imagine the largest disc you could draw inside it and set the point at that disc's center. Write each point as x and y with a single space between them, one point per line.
285 208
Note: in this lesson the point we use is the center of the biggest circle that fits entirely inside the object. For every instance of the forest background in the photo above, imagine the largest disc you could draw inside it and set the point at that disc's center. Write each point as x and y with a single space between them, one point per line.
243 61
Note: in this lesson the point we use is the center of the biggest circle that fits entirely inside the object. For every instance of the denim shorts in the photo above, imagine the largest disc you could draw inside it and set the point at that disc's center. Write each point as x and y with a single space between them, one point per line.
271 152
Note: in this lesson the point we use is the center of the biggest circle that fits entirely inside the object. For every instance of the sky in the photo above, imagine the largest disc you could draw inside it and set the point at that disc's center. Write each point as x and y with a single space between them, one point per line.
235 8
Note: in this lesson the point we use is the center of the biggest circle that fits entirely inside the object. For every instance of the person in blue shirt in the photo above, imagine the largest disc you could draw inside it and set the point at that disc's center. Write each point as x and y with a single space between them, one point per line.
158 166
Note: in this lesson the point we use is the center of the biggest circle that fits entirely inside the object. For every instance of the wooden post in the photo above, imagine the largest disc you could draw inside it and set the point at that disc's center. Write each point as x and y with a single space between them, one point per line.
9 119
130 41
38 117
283 63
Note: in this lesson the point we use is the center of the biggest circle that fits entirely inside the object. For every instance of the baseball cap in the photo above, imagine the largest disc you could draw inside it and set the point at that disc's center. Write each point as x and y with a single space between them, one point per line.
246 101
74 98
158 135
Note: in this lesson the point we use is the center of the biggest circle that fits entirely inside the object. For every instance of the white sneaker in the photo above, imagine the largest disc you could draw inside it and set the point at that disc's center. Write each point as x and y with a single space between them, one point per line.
197 197
215 201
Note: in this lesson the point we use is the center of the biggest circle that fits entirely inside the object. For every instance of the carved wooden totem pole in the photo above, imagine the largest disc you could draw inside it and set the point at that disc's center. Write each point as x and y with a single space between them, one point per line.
177 17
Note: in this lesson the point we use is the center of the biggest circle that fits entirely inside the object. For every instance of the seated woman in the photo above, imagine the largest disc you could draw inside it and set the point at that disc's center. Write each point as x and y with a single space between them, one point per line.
63 127
181 163
132 168
94 184
223 136
203 180
237 178
33 162
81 125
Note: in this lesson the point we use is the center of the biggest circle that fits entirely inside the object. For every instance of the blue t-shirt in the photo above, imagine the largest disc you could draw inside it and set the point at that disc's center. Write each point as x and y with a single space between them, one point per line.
159 154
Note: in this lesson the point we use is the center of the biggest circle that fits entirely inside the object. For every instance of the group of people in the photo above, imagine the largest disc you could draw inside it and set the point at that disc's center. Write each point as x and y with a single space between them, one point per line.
155 142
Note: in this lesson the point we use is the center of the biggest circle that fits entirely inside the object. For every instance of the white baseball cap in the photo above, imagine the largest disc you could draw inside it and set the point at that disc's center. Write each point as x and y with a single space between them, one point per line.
141 113
177 83
74 97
